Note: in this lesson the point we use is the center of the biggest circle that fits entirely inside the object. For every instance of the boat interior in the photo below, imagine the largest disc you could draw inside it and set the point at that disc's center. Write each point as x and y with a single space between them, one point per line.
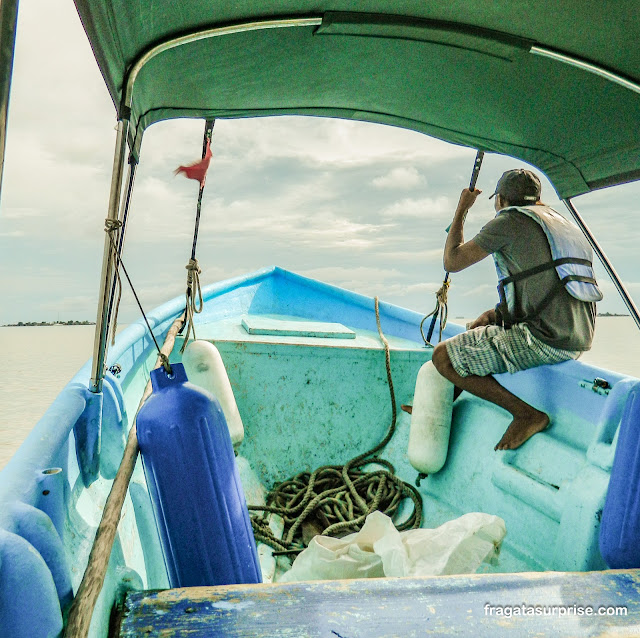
304 359
311 388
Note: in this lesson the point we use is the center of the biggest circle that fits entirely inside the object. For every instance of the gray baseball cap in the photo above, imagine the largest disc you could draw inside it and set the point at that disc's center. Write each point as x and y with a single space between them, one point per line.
519 185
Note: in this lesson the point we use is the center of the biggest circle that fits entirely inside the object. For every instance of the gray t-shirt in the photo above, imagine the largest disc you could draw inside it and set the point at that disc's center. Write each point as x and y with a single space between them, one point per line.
566 323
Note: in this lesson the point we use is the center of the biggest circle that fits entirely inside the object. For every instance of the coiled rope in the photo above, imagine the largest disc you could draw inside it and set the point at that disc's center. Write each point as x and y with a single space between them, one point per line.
338 498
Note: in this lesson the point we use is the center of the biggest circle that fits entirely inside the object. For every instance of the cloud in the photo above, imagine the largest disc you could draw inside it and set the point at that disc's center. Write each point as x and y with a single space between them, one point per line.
480 291
389 284
413 253
401 178
20 212
332 143
70 305
427 207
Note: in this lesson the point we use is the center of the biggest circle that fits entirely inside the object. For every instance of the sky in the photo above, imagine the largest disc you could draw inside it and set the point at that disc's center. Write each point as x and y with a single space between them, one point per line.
358 205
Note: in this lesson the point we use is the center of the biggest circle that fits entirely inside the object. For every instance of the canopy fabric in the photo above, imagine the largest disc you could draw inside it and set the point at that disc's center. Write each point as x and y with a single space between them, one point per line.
461 71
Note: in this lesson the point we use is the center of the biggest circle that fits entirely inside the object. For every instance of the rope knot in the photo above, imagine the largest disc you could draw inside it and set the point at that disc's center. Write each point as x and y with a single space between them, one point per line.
111 225
193 265
442 293
193 272
165 362
194 303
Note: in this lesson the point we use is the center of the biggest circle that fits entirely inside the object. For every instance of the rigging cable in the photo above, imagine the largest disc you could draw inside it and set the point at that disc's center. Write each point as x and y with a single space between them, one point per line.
111 227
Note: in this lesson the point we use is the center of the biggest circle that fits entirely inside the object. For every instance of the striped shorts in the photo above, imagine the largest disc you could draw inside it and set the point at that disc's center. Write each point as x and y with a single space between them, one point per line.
493 350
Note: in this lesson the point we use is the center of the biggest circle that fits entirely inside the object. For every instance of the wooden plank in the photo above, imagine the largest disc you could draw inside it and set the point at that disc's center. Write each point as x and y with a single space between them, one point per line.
256 325
441 606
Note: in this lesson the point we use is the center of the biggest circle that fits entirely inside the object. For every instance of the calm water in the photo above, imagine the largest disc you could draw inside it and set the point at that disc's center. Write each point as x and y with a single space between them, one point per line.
39 361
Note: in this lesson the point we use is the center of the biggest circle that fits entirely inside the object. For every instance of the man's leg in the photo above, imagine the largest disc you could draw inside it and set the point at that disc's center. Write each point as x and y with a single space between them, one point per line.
527 421
456 393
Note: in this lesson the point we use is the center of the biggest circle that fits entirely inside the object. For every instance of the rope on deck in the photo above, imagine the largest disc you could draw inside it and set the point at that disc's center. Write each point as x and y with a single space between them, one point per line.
337 498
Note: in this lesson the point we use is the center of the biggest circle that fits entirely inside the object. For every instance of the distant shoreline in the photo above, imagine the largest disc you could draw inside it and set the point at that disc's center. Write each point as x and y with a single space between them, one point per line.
24 324
610 314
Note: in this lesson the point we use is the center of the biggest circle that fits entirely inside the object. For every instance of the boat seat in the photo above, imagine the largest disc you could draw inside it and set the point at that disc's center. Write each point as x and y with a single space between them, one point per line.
391 607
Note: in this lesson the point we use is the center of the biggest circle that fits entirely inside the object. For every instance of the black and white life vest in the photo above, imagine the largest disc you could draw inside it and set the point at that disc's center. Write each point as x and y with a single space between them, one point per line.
571 257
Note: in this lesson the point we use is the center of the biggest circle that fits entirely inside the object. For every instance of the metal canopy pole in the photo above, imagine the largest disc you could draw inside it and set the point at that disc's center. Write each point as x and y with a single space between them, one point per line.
124 218
626 297
102 323
106 286
8 23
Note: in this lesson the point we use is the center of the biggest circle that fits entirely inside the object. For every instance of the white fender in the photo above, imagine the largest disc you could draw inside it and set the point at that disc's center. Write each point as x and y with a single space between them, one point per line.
204 367
430 420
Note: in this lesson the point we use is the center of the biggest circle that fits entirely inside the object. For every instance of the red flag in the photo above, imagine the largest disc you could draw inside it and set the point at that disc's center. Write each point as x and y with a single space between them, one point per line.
197 170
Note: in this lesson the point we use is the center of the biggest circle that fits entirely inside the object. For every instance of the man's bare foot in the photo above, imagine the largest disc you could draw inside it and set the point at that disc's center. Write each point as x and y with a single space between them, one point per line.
407 408
522 429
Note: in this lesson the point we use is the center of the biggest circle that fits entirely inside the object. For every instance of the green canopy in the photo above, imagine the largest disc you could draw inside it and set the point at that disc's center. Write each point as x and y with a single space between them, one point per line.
462 70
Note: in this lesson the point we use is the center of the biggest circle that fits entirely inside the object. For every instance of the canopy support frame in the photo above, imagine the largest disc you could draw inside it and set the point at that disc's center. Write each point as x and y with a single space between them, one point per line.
106 279
584 65
626 297
124 218
8 28
107 282
204 34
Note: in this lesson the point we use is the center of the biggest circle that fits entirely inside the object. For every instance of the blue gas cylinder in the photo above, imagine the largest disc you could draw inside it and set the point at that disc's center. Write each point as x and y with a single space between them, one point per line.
197 497
620 525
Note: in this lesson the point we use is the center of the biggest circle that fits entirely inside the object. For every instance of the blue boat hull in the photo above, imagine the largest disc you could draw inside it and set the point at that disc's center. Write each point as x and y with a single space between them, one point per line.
307 401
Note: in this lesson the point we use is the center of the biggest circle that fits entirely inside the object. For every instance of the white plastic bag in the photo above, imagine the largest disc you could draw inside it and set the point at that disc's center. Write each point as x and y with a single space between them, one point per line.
378 549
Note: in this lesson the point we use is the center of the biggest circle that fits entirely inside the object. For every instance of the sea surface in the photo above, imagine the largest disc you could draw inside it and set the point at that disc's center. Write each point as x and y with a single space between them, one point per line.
39 361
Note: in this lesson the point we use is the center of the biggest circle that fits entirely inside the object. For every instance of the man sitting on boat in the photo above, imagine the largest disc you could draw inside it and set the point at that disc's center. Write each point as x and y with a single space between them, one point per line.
547 292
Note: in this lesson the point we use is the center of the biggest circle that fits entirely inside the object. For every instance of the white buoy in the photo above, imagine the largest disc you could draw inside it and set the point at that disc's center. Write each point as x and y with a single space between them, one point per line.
430 420
204 367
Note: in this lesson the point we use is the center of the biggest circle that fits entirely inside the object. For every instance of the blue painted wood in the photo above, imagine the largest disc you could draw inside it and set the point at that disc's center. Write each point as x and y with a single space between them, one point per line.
518 605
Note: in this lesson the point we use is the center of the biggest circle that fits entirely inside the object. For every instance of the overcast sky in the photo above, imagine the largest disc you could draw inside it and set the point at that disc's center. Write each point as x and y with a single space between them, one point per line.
358 205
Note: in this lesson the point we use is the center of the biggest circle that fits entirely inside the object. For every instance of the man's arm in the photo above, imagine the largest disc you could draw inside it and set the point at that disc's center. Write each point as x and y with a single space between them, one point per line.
459 255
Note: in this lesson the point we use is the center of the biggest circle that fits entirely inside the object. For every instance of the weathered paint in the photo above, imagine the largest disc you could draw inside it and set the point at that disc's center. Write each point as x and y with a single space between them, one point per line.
444 606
